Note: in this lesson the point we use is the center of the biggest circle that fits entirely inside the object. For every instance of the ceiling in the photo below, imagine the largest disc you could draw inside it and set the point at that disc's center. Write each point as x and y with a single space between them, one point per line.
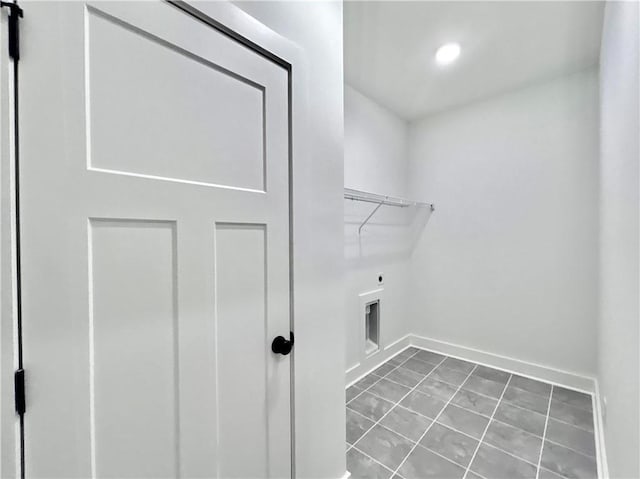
390 48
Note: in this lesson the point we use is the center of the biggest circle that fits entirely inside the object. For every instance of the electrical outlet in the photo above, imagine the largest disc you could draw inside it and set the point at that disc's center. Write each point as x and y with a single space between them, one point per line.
380 278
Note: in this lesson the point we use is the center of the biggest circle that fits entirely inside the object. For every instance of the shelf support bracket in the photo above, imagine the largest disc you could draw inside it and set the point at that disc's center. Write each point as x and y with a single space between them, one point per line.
371 214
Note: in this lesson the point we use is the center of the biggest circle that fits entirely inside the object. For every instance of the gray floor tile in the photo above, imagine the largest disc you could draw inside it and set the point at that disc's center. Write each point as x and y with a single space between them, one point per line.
385 446
397 360
370 406
531 385
384 369
357 425
572 415
465 421
400 357
367 381
572 437
455 378
458 365
547 474
573 398
423 464
389 390
483 386
405 377
524 419
495 464
423 404
526 399
475 402
352 392
514 440
430 357
407 353
492 374
361 466
450 444
436 388
417 366
568 463
406 422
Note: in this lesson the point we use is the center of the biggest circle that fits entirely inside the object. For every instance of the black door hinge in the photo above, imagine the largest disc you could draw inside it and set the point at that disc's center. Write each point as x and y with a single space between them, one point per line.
18 380
15 12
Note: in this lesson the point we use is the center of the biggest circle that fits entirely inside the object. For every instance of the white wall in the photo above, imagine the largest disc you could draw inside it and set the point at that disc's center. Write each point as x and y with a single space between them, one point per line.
618 352
316 27
375 146
508 261
375 161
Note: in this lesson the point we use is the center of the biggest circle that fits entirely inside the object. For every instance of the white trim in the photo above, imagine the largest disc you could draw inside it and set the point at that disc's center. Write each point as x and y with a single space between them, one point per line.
540 372
357 372
601 452
346 475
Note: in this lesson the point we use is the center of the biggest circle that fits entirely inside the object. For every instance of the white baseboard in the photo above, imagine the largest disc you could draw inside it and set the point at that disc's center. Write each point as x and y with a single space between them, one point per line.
355 373
547 374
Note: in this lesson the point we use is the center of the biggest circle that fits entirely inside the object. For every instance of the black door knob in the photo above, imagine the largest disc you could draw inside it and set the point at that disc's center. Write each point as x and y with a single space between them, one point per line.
283 346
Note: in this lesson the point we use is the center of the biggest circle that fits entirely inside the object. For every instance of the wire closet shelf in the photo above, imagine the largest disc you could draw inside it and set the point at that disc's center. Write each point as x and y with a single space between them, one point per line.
381 200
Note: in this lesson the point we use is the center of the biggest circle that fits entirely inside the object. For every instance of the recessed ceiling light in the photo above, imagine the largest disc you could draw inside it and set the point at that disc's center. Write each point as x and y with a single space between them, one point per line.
447 53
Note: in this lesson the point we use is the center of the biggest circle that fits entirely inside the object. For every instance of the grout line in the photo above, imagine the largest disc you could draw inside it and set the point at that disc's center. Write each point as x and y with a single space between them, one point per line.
466 473
391 409
436 418
544 433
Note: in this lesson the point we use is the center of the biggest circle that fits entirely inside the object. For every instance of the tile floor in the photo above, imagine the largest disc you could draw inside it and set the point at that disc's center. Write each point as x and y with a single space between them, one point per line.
425 415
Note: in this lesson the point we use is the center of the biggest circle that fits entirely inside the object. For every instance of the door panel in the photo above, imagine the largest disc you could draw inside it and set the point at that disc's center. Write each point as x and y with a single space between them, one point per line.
133 347
241 341
155 220
126 72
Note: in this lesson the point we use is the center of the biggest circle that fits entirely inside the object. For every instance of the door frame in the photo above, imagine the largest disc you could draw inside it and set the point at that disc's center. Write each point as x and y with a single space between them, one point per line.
238 25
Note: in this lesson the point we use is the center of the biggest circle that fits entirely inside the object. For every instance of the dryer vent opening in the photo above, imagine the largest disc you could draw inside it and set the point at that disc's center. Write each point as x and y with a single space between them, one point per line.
372 326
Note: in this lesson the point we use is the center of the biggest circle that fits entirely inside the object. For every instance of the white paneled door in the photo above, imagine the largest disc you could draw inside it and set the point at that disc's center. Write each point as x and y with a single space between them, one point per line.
155 246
